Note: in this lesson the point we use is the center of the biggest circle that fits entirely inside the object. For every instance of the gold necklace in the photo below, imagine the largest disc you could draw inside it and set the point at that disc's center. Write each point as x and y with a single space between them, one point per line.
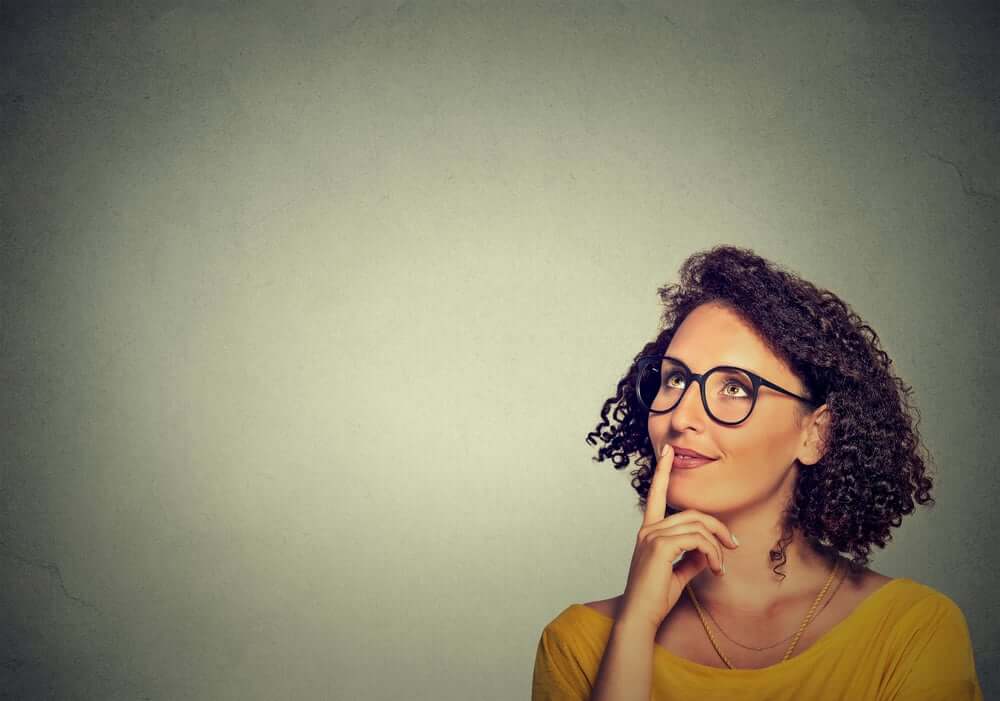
798 634
784 640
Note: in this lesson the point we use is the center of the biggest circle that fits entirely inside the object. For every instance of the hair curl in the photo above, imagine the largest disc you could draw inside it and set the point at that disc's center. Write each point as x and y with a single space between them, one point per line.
874 463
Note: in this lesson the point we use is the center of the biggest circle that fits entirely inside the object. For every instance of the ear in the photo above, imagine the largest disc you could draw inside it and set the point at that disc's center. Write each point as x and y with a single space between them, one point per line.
815 432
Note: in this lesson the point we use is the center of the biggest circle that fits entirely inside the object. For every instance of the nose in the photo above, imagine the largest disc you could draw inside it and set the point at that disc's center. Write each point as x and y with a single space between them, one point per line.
690 408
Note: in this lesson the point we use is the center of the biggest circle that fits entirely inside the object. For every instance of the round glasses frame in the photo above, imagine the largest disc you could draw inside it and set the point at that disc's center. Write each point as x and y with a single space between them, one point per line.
643 361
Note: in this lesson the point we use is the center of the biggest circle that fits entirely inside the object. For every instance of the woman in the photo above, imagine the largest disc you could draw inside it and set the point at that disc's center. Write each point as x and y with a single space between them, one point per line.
808 449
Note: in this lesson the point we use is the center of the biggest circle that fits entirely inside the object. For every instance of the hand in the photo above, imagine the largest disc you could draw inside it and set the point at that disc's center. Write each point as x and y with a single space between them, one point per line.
654 582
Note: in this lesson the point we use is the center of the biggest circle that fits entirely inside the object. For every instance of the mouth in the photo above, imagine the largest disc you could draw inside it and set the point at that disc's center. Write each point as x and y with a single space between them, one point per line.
689 459
690 453
688 462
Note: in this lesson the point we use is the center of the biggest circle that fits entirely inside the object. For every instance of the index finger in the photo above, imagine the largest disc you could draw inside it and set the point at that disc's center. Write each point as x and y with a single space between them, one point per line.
656 499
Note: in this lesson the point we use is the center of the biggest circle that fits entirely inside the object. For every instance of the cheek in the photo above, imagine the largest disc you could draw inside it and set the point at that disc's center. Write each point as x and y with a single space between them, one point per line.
758 454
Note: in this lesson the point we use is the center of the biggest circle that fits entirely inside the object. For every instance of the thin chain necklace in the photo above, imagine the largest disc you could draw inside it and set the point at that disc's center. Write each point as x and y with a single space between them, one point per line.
768 647
809 616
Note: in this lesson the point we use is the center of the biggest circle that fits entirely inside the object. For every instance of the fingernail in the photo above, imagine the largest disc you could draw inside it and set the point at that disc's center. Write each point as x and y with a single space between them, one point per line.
734 539
723 568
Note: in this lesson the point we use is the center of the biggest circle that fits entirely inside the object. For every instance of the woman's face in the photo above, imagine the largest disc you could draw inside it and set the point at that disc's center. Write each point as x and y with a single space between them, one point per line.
755 460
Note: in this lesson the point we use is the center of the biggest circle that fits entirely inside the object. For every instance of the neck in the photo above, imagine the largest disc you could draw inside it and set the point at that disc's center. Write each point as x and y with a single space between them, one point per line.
750 586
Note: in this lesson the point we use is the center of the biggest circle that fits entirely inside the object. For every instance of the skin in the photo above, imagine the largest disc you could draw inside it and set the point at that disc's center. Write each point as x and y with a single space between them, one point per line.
754 475
746 488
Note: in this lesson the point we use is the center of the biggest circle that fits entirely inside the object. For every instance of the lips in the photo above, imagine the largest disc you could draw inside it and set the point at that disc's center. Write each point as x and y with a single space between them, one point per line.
690 453
685 462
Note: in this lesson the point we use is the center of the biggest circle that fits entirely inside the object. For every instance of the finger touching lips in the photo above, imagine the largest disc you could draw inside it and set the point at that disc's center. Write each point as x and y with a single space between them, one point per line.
656 499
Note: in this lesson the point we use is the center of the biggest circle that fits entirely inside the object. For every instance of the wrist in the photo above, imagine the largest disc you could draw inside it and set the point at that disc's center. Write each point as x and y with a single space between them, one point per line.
631 624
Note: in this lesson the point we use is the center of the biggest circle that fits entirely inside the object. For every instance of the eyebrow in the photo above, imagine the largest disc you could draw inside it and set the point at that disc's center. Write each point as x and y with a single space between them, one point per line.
726 364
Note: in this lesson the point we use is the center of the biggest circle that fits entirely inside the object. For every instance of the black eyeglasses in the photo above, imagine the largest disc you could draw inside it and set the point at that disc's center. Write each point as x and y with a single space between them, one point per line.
728 393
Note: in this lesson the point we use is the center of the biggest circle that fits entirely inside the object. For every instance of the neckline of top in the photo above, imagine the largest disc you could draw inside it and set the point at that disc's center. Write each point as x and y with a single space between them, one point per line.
818 645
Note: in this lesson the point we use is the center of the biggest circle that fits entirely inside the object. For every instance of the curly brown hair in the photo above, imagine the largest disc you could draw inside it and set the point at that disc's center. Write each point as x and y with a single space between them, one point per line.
874 463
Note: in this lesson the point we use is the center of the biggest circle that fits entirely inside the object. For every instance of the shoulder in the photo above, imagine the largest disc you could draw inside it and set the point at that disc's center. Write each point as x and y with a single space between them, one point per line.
931 645
928 606
913 592
606 607
569 652
911 612
902 594
875 579
576 624
579 629
864 584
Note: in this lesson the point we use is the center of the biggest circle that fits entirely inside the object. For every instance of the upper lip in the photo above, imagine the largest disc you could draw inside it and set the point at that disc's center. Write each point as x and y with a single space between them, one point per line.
687 451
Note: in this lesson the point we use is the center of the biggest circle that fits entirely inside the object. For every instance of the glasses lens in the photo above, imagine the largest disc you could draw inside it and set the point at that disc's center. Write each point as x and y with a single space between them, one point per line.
661 383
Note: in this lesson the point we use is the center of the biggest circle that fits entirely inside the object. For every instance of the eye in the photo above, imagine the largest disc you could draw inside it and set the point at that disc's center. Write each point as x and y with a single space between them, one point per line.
667 378
733 384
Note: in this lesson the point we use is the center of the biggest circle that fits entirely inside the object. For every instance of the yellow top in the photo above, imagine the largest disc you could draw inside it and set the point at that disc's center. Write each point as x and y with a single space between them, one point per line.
904 642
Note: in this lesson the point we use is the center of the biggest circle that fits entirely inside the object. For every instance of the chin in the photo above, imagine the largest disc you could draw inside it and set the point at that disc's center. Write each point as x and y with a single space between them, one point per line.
704 505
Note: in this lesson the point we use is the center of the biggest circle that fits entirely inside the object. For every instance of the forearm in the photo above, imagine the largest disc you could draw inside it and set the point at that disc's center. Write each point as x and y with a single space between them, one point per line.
626 671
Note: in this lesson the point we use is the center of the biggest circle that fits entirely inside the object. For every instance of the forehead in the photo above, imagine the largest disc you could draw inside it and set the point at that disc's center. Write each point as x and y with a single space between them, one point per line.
712 335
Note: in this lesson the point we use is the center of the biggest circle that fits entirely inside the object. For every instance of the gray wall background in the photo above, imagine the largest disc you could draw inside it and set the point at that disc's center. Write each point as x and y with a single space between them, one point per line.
308 307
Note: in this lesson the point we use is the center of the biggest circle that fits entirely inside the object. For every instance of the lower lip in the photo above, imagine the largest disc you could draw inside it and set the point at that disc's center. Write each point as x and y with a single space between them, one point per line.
682 462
